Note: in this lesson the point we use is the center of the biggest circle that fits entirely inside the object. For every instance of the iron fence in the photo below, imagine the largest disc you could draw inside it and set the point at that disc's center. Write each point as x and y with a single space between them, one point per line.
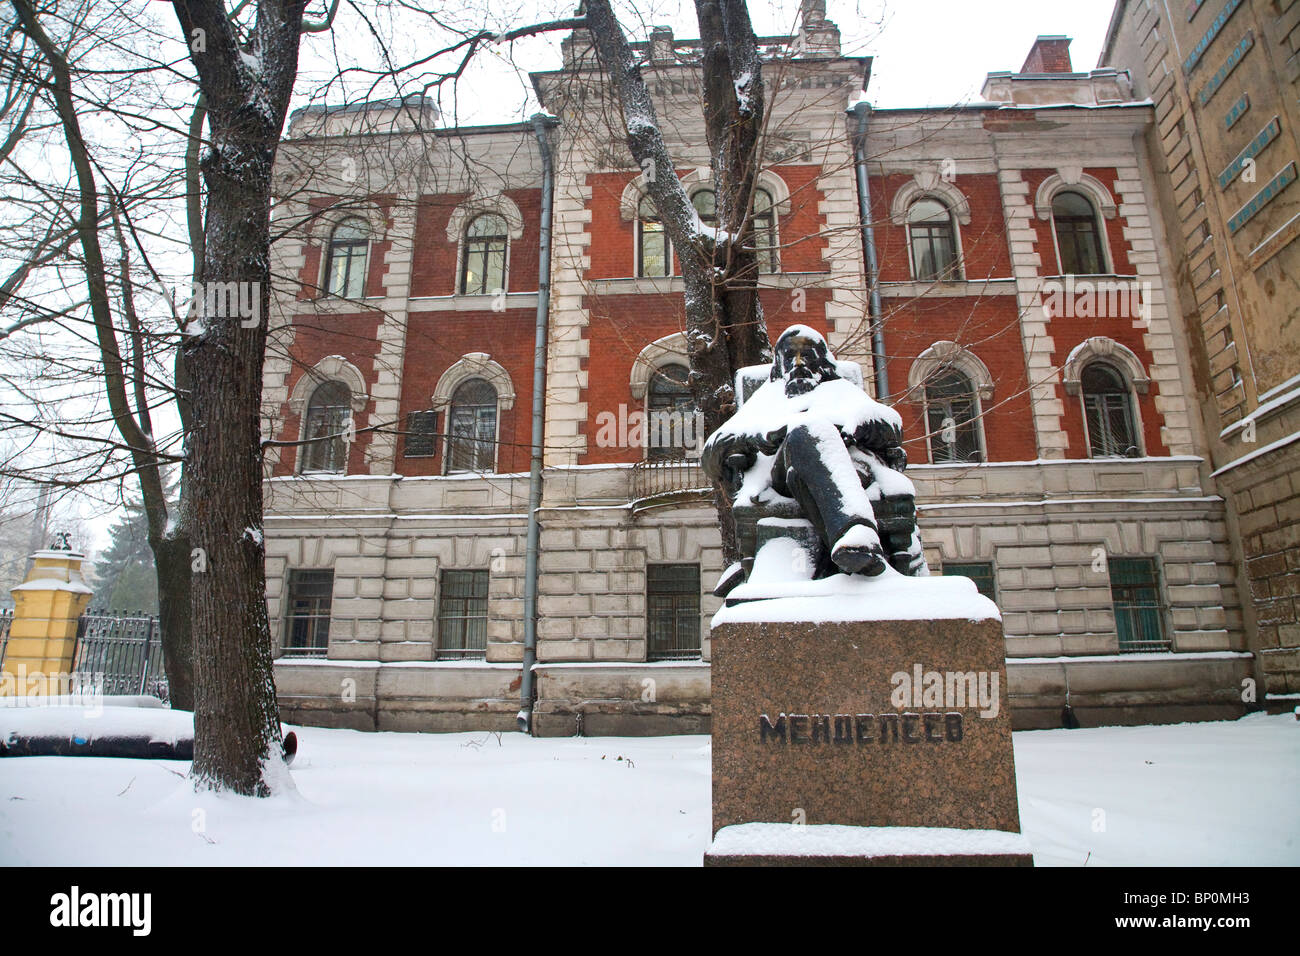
6 619
126 649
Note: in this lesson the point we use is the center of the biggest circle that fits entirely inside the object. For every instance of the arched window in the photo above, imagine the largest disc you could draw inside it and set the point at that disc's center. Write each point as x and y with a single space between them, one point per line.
933 238
654 255
1078 234
328 413
483 263
952 415
1108 413
670 424
764 231
472 427
345 266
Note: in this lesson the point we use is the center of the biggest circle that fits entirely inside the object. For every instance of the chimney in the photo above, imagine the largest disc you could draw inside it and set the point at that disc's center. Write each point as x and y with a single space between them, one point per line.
661 45
817 36
1049 55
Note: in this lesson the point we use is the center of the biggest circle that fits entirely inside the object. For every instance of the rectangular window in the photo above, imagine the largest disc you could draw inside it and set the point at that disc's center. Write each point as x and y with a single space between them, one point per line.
953 435
421 434
655 254
1139 613
472 444
672 612
981 572
307 614
463 615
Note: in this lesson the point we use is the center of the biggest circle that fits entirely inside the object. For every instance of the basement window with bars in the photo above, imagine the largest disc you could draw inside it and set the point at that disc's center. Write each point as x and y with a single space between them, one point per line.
1139 612
672 612
307 616
421 435
981 572
463 615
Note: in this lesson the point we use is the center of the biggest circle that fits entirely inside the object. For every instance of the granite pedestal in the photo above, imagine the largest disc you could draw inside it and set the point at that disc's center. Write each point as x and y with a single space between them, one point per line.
828 732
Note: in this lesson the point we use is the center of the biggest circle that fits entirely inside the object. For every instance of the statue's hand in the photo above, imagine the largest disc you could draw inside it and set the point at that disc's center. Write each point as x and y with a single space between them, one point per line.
728 456
770 443
895 457
877 435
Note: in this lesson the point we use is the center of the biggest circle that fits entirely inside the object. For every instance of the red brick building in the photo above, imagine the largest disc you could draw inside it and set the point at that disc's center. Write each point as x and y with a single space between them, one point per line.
1025 303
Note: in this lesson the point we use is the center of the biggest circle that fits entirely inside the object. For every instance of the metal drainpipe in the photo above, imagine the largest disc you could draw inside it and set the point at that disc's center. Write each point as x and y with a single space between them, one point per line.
862 111
542 124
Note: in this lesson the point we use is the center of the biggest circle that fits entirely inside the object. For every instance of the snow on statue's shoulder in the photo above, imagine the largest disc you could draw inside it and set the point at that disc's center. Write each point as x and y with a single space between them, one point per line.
888 597
838 401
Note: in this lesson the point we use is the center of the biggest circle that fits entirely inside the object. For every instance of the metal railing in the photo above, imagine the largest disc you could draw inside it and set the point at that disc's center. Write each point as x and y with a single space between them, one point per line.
126 649
6 619
655 477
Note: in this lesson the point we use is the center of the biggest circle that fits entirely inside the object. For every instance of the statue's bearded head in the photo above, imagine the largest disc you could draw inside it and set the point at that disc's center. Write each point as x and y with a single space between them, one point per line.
803 360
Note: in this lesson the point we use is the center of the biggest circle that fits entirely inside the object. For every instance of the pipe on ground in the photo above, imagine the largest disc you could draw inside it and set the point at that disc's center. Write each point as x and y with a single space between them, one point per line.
137 747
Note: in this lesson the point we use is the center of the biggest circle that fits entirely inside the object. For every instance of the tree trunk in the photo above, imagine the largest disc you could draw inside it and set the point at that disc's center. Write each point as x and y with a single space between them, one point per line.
236 725
237 738
725 328
171 558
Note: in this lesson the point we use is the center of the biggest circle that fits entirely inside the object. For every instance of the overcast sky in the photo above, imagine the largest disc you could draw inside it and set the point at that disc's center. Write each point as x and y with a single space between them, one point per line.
927 52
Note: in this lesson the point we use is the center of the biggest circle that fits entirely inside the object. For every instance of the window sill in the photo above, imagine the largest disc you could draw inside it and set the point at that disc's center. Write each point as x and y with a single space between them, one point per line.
335 304
954 288
471 303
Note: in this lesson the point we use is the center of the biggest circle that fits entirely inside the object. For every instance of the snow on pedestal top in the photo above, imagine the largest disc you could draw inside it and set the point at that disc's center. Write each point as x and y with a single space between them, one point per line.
849 597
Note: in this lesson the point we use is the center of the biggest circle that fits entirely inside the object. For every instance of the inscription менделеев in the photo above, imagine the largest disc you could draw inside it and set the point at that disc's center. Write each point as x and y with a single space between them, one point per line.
909 728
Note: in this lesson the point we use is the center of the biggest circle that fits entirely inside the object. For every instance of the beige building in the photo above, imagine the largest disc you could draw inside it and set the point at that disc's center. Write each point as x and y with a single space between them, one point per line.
1224 78
1030 335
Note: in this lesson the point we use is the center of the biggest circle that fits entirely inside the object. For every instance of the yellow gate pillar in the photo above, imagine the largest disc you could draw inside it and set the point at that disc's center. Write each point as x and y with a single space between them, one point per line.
43 633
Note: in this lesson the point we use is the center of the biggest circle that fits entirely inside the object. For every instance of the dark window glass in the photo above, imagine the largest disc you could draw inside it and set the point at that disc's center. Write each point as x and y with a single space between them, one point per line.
328 414
672 612
307 613
654 254
421 434
472 431
1139 613
483 270
345 266
706 204
1078 238
953 418
672 413
462 615
934 244
981 572
1108 410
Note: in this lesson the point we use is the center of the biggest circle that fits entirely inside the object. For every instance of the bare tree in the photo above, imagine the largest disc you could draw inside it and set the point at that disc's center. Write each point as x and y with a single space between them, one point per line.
725 329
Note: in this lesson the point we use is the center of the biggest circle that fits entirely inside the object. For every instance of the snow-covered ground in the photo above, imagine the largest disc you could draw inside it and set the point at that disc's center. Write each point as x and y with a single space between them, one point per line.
1209 794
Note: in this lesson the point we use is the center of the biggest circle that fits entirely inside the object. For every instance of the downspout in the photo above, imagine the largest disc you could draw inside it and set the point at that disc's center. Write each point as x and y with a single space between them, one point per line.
542 124
862 110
